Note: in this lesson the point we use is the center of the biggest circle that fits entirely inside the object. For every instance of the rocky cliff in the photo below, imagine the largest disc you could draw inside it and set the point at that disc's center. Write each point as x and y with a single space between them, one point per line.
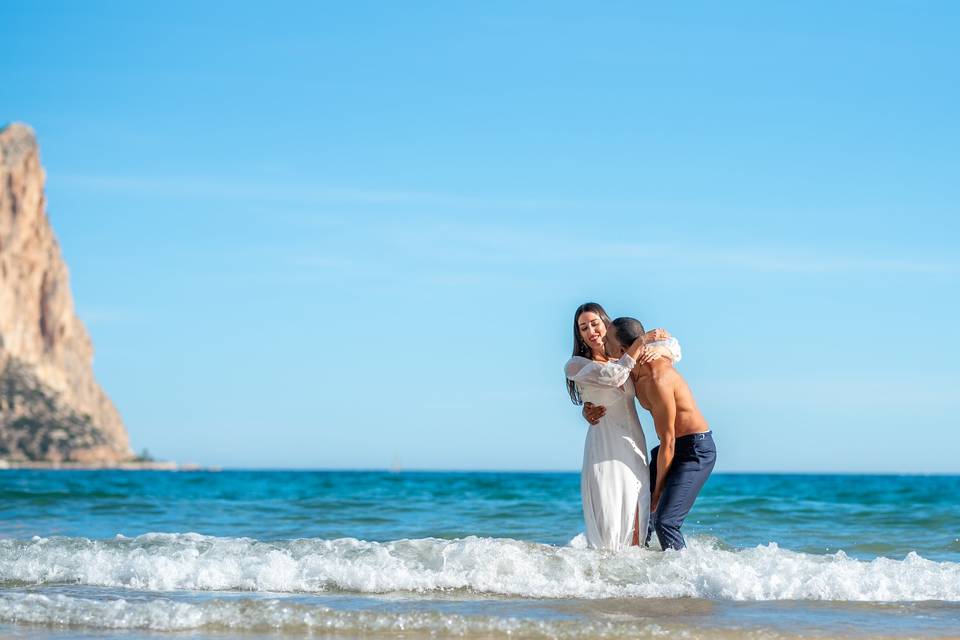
51 407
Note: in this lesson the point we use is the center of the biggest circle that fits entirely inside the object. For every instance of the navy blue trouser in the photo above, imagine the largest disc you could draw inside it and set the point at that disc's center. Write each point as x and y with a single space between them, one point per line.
693 460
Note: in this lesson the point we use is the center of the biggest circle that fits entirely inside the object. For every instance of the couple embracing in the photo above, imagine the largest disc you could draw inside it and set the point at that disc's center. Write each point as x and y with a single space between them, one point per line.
614 364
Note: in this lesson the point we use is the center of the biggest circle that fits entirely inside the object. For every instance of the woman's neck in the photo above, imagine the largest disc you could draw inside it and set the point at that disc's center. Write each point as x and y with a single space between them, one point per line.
599 355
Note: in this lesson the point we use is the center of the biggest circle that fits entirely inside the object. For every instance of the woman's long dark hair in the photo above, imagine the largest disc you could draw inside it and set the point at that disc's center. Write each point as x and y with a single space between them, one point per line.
580 347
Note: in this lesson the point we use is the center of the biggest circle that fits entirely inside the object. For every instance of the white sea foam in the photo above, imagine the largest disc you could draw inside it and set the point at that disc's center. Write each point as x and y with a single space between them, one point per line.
275 615
167 562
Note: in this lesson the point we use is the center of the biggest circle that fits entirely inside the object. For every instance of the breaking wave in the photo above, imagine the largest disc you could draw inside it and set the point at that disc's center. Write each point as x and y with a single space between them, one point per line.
503 566
275 615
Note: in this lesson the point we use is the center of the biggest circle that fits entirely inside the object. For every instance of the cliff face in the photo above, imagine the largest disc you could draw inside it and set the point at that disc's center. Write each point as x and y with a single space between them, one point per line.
51 407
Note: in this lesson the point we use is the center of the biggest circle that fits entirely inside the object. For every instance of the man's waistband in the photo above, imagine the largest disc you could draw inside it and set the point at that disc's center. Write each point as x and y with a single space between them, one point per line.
694 437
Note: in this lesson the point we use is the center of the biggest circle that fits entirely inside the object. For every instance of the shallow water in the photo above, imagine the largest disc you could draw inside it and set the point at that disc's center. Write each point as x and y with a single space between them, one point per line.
348 554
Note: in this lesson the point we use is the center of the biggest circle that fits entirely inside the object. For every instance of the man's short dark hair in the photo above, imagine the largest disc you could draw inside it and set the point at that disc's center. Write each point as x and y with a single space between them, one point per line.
628 330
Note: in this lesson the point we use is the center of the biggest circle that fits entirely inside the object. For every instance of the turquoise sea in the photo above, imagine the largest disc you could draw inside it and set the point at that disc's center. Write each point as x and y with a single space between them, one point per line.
252 554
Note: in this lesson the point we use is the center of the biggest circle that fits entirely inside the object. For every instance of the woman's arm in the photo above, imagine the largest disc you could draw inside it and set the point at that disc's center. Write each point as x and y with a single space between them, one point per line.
660 344
613 373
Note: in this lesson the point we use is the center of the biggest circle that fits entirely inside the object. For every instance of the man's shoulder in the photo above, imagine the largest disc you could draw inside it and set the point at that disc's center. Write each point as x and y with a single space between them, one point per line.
659 373
662 369
661 363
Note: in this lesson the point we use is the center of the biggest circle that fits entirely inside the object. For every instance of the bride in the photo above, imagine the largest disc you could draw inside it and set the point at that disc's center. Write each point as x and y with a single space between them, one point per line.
615 480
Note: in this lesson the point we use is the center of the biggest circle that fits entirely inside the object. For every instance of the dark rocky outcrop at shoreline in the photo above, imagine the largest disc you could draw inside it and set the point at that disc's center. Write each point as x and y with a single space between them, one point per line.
37 425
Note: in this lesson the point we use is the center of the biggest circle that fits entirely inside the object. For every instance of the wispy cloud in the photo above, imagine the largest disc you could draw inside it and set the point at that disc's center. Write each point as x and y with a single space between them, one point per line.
850 392
471 259
492 243
779 259
487 243
436 235
93 316
217 188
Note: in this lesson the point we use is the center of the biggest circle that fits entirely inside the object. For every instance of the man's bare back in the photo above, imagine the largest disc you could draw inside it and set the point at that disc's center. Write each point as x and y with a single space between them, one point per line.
656 383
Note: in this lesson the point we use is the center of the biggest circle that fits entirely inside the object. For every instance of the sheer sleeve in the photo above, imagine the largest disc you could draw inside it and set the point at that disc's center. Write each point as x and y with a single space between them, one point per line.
672 345
613 373
605 374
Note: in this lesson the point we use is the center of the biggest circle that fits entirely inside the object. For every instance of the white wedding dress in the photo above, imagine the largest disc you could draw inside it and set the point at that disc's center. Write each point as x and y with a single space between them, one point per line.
615 480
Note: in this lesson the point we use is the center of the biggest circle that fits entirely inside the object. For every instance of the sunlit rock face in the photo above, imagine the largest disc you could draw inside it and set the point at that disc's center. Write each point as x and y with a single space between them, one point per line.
51 407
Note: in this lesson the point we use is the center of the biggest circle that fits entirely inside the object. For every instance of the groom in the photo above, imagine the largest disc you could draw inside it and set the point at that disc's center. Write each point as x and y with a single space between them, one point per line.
680 466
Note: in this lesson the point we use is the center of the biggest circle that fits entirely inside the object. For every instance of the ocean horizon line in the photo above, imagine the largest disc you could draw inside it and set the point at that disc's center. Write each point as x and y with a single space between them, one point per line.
200 468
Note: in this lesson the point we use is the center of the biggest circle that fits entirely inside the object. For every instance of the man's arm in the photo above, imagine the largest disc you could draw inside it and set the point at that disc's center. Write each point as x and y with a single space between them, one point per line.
663 406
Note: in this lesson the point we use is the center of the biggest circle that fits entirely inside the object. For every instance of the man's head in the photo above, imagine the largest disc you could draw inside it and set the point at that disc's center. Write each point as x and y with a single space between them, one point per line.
625 331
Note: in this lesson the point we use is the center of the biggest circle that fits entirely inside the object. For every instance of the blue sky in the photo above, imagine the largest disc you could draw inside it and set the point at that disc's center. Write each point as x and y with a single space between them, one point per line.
319 235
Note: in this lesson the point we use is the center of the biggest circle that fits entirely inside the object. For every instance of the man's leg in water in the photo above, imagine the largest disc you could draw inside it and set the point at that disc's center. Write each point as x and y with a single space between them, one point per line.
692 463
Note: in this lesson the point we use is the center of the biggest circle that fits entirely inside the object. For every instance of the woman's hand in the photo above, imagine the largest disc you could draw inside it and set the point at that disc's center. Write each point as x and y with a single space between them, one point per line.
649 354
655 335
593 412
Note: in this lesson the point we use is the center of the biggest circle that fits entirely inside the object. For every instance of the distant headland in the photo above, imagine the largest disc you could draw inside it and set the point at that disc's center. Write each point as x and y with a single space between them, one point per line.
53 414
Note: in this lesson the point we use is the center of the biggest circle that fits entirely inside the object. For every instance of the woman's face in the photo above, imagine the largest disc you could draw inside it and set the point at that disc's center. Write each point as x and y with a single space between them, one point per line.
592 330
